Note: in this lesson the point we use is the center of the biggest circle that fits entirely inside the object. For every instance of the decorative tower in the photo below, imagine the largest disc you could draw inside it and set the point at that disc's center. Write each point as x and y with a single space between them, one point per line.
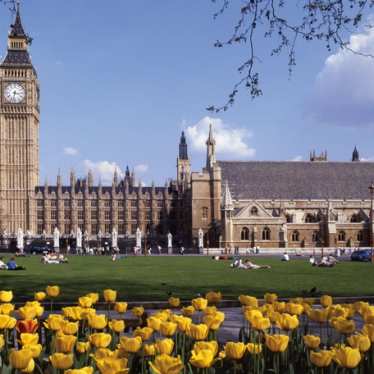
183 165
227 209
211 149
19 131
355 155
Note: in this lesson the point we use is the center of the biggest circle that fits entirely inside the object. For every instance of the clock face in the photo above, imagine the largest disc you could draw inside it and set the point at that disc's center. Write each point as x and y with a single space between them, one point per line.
14 93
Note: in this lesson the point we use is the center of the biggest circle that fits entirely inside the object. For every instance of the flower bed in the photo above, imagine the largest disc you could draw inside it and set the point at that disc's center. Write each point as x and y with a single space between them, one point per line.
302 335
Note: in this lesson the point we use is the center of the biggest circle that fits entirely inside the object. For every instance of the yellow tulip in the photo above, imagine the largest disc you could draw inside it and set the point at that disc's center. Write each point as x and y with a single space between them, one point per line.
277 343
20 359
213 297
212 345
100 340
69 328
280 306
368 330
294 309
144 332
154 323
321 358
168 328
347 357
7 322
83 347
289 322
343 325
6 296
97 321
54 322
198 332
199 303
110 296
85 302
163 315
164 346
182 322
165 364
318 315
275 317
260 323
251 314
65 343
35 349
112 365
120 307
2 342
270 298
188 311
137 311
52 291
94 296
40 296
117 326
87 313
174 302
254 348
248 300
362 342
202 359
6 308
30 367
210 310
214 321
73 312
326 301
312 341
149 349
131 345
296 300
27 338
85 370
62 361
234 350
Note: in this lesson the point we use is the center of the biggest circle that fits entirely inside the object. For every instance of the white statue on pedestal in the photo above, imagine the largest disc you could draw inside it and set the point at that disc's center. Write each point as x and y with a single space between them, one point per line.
138 238
79 238
20 244
114 239
56 239
201 239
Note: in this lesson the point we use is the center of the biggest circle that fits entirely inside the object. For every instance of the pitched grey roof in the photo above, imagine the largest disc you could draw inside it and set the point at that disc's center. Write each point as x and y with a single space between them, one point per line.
298 180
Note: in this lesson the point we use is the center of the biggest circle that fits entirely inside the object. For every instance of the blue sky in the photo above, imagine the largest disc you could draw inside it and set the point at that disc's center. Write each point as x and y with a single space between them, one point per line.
120 82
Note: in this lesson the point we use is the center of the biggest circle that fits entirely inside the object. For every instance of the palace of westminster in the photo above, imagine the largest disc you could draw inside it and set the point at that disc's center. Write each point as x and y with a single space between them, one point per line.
235 203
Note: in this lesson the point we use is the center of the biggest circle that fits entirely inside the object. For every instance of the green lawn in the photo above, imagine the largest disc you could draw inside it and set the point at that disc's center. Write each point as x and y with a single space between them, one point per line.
151 278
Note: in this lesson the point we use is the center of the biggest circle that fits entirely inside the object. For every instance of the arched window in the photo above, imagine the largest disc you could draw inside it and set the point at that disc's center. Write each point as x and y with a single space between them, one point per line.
315 236
254 211
295 236
245 233
266 233
360 236
310 218
355 218
341 236
204 213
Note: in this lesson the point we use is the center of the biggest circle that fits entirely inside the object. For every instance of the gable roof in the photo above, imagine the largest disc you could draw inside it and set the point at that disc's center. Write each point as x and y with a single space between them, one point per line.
298 180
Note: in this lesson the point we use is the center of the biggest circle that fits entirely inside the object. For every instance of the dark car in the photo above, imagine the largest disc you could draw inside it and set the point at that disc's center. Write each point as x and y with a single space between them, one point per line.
37 249
363 255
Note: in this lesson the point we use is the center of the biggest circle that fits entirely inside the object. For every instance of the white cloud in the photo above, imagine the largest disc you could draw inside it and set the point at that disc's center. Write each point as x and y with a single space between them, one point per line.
230 141
70 151
103 170
141 169
344 89
297 158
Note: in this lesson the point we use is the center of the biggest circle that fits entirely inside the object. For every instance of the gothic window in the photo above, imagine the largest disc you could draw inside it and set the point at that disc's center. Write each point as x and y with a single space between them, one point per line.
315 236
94 229
341 236
266 233
80 203
160 203
134 215
295 236
66 203
121 215
134 203
147 203
204 213
245 233
40 203
310 218
355 218
94 203
40 229
67 214
107 215
107 203
121 203
67 229
148 215
93 214
54 214
40 214
107 228
80 214
360 236
254 211
53 203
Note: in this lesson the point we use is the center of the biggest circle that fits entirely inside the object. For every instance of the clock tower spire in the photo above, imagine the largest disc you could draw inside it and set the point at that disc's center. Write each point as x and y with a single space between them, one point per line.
19 131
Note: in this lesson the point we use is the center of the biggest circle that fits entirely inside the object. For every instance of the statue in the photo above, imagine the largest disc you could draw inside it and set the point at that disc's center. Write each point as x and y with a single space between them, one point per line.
56 239
20 240
170 243
114 239
138 238
201 239
79 238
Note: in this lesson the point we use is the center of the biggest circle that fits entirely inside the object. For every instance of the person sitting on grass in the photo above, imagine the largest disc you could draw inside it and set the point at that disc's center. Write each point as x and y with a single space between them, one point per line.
2 264
248 265
12 265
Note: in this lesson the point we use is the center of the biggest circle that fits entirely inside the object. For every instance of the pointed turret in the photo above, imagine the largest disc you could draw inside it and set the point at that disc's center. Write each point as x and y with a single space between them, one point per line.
115 177
227 203
90 178
211 149
355 155
72 178
183 152
17 30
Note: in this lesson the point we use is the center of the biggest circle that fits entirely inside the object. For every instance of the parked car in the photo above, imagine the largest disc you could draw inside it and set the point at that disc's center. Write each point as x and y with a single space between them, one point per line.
363 255
37 249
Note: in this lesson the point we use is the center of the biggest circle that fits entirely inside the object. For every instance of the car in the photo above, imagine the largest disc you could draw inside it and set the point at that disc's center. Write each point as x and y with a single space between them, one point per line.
37 249
363 255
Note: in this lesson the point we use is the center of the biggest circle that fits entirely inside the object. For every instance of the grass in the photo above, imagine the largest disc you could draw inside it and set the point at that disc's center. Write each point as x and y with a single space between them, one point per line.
151 278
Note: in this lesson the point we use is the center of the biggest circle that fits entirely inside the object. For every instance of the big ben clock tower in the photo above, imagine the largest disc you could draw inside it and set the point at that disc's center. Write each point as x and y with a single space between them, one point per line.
19 132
